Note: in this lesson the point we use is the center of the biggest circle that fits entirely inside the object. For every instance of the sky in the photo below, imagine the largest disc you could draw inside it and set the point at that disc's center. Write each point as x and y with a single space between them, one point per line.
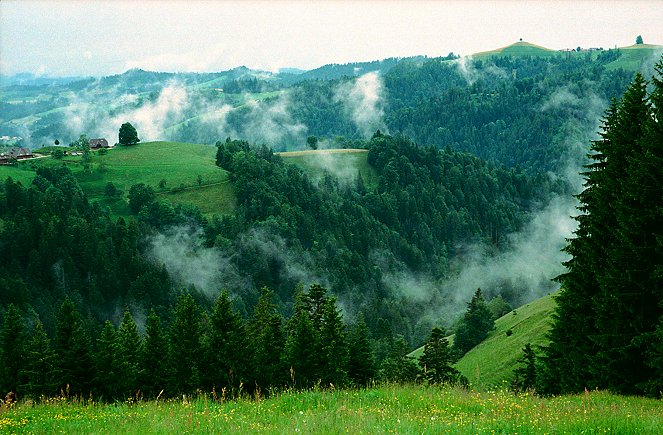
104 37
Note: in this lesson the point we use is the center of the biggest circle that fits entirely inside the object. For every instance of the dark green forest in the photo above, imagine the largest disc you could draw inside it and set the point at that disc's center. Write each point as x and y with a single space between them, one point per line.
306 296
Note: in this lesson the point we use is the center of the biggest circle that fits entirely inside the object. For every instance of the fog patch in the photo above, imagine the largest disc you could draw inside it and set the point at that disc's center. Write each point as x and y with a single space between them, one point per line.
180 249
271 122
363 99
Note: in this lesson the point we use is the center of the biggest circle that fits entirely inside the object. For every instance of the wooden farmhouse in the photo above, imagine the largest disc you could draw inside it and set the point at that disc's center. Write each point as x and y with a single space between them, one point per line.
95 144
15 154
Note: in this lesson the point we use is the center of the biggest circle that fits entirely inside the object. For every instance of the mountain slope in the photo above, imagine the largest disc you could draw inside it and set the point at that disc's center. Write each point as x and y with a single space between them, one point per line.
492 362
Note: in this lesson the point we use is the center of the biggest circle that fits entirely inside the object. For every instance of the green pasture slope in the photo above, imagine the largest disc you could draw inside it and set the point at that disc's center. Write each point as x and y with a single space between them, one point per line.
189 171
520 48
491 363
345 164
383 409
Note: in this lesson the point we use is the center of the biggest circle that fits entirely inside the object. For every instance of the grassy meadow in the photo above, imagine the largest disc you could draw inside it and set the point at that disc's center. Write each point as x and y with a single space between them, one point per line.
187 172
343 163
491 363
383 409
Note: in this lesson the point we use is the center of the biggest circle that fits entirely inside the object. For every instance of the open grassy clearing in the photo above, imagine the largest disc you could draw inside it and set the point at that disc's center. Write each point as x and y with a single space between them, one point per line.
491 363
634 57
188 172
343 163
384 409
520 48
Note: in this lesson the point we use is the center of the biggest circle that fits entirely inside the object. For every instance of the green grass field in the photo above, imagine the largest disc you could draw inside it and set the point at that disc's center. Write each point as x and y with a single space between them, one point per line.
491 363
634 57
343 163
520 48
188 170
383 409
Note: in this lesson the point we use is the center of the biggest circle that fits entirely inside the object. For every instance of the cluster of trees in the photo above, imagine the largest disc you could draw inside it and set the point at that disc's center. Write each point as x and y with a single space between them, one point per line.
423 203
215 350
608 330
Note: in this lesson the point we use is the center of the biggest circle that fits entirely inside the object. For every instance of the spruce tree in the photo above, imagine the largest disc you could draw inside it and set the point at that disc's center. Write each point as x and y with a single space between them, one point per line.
185 349
73 349
437 359
224 348
106 379
128 355
154 357
12 351
610 302
477 322
267 341
361 364
301 353
334 364
40 364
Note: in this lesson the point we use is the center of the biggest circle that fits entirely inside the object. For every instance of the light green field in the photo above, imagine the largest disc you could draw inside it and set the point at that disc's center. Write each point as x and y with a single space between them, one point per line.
491 363
342 163
520 48
383 409
189 170
634 57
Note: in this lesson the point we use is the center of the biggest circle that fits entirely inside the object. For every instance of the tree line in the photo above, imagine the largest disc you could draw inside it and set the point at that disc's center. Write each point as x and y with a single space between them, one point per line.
214 351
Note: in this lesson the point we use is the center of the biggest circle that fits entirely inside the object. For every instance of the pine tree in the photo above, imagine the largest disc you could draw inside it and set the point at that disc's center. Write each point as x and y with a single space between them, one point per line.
610 301
185 349
224 347
475 326
525 375
437 359
106 363
301 353
73 349
40 364
12 351
128 355
266 337
154 357
334 364
398 366
361 364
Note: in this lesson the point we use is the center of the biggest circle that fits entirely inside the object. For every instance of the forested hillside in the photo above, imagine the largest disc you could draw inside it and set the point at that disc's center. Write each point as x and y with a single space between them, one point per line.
331 277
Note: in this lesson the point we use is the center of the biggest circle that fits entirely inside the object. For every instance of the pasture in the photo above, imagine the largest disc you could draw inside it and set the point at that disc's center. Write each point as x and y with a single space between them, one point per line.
382 409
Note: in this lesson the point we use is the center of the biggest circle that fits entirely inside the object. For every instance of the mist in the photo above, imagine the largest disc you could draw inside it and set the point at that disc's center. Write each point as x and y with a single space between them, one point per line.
363 100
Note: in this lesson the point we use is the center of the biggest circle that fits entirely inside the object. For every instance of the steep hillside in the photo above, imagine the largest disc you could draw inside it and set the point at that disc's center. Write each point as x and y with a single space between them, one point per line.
492 362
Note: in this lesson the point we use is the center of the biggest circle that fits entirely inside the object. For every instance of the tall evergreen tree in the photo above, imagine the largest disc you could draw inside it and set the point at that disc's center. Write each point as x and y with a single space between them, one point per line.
267 341
477 322
224 347
185 349
437 359
301 353
128 355
610 301
361 363
40 364
153 373
12 351
73 349
334 364
106 376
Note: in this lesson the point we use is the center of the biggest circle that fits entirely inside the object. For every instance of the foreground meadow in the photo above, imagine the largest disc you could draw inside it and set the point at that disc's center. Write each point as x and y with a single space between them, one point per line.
386 409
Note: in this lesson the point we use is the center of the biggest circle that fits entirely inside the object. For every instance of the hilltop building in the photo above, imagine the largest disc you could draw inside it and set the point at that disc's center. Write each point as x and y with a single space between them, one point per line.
99 143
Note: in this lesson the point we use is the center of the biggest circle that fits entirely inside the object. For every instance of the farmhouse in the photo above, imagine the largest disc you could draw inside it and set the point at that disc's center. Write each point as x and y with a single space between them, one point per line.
98 143
15 154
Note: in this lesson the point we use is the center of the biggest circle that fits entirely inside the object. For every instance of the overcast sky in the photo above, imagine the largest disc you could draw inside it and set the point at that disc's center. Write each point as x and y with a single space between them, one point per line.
75 37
